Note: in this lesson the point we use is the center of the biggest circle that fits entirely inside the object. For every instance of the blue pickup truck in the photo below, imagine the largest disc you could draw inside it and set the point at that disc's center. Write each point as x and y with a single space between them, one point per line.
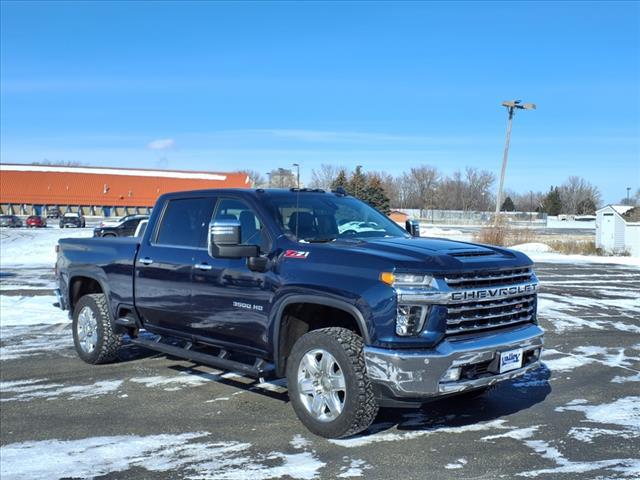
318 287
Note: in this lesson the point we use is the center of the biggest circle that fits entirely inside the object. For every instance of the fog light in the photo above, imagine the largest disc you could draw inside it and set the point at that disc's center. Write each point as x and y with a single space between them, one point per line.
410 319
451 375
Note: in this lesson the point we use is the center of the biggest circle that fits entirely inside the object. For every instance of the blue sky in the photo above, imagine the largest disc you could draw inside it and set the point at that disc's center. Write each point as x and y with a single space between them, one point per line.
223 86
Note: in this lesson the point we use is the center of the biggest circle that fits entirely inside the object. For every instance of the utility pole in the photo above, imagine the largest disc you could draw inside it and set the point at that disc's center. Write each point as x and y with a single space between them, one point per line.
628 201
298 174
511 106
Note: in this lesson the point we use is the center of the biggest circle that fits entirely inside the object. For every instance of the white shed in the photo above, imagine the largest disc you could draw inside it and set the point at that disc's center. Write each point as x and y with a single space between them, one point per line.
615 232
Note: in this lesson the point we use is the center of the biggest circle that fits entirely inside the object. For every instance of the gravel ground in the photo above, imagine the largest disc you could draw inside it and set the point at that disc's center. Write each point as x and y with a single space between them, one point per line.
150 416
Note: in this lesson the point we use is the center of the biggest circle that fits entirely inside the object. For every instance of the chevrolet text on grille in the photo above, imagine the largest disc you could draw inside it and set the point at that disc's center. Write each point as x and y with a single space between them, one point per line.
493 292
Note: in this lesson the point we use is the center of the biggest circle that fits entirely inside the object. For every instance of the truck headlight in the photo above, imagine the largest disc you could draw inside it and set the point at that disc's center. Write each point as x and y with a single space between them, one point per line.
410 319
406 279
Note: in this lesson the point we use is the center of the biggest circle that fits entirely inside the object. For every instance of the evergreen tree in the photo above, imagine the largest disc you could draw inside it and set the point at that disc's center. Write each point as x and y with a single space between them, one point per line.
357 183
340 181
552 202
507 205
375 195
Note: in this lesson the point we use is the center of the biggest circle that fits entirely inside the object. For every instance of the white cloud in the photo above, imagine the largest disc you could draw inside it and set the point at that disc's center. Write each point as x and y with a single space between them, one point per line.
162 144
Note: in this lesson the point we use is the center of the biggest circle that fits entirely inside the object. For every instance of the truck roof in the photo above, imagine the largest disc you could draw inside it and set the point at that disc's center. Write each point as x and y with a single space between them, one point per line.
252 192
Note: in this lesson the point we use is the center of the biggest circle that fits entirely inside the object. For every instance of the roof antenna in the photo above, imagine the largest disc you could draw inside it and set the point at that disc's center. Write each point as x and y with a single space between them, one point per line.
297 212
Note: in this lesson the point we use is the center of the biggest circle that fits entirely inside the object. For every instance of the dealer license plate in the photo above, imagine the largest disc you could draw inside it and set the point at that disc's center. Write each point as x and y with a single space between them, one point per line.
510 360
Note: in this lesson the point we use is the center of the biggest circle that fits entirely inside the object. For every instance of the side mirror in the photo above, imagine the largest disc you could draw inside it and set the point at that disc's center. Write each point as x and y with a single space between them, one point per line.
224 240
413 227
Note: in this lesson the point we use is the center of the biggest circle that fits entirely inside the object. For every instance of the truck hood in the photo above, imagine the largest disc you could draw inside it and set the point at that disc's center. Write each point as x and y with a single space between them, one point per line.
432 254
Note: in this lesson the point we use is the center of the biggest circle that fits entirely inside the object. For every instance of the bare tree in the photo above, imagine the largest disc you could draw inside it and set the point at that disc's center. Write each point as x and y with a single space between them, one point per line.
255 178
324 176
418 187
477 189
578 196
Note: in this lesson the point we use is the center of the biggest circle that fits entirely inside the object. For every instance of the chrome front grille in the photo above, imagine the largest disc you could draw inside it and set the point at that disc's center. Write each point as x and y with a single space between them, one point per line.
482 315
487 279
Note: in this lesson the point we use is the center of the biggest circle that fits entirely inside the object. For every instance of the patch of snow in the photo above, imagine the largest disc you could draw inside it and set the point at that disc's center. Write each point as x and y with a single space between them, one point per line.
587 435
573 259
516 433
623 411
614 357
51 391
460 463
34 247
355 469
19 342
34 310
532 248
189 452
631 378
368 439
299 442
172 384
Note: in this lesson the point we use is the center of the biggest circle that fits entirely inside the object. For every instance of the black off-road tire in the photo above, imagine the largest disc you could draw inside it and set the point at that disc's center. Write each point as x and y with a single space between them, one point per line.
360 407
109 342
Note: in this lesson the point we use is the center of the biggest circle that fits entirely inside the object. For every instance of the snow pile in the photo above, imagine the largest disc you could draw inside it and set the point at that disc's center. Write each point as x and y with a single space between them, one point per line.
532 248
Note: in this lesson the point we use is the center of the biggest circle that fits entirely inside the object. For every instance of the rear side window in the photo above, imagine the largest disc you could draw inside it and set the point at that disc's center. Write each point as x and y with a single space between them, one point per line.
185 222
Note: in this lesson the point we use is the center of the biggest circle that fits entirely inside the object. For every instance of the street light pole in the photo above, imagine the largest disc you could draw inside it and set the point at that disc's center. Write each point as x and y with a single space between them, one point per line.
511 106
298 173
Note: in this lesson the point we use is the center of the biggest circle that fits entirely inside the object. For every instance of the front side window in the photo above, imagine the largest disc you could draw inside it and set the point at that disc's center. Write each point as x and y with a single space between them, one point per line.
251 228
325 217
185 222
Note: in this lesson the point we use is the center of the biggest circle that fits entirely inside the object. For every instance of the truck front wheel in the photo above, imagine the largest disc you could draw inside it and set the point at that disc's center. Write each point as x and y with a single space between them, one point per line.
93 335
328 384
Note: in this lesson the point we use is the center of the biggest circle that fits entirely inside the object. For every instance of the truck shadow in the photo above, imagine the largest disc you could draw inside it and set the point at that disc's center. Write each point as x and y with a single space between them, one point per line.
460 411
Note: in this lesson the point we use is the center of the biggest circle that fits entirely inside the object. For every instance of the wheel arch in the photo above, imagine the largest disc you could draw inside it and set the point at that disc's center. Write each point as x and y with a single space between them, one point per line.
284 338
82 284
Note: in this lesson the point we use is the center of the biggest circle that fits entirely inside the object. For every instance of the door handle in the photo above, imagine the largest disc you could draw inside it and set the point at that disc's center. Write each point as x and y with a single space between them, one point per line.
203 266
146 261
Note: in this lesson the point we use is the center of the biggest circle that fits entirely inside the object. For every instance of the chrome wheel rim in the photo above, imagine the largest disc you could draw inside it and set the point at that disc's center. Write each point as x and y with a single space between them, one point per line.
321 385
87 330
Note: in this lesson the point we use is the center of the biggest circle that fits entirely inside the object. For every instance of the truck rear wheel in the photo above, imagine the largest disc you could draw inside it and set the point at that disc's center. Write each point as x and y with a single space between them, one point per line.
93 335
328 384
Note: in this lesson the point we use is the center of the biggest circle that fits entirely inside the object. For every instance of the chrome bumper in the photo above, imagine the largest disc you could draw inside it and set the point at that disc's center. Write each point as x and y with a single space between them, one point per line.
419 373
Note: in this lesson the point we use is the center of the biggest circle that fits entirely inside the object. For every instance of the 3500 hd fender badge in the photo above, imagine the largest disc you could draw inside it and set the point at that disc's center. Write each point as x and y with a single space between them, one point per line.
296 254
494 292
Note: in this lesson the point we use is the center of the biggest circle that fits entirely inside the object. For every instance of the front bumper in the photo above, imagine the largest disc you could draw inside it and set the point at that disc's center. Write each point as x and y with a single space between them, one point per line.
416 374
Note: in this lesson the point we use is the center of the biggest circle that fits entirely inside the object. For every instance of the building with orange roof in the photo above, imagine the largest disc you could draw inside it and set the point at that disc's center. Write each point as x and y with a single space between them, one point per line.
99 191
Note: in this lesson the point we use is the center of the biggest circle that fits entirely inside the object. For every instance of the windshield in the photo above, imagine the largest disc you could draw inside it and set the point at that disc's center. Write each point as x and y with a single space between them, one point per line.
323 217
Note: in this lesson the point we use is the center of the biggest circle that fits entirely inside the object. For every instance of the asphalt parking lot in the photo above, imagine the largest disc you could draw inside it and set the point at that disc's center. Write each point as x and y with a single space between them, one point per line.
152 416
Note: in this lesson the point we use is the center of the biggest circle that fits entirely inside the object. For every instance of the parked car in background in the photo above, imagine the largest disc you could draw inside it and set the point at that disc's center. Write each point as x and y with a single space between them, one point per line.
125 227
54 212
10 221
142 227
72 220
36 221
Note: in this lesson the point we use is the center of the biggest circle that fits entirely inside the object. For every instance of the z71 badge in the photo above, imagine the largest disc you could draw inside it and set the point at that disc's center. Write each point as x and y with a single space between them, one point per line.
296 254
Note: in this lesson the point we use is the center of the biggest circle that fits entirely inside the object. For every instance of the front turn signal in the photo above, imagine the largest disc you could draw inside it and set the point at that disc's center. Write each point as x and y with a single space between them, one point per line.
388 278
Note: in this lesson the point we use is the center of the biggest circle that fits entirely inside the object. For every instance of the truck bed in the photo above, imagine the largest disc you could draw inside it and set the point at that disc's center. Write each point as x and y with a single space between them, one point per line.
109 261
